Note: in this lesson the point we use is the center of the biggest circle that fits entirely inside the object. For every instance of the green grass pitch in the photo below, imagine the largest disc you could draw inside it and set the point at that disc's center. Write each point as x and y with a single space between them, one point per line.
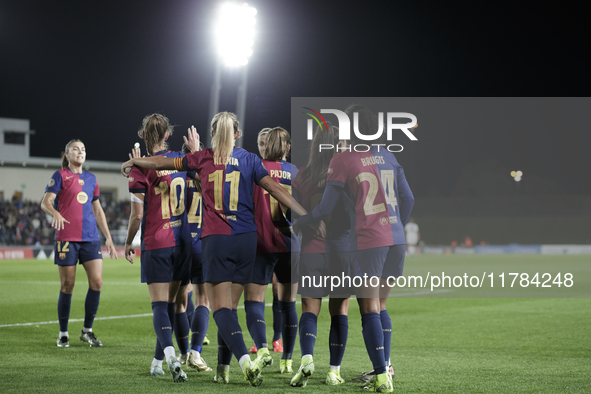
440 345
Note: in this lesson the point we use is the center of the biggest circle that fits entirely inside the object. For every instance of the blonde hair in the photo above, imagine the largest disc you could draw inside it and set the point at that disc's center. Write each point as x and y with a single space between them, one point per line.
224 127
278 142
65 161
153 131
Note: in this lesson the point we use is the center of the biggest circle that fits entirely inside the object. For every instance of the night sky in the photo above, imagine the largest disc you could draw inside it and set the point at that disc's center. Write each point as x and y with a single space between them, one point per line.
93 70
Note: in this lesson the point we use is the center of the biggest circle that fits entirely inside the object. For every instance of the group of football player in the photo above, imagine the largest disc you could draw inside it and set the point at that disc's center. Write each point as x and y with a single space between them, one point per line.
229 223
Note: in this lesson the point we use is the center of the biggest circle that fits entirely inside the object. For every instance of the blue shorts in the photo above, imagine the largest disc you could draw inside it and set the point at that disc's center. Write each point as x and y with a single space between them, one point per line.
315 267
166 265
229 258
69 253
266 264
197 269
370 262
394 261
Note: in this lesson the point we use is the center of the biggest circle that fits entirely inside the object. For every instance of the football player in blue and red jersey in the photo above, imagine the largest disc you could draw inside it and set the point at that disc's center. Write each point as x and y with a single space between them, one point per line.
321 257
277 248
400 203
355 175
227 176
72 198
166 241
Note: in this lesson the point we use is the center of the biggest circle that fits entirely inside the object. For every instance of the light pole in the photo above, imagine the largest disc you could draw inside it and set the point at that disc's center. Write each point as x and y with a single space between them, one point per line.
234 37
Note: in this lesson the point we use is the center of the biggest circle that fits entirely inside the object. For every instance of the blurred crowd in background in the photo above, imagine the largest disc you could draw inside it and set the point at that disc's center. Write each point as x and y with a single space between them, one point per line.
24 223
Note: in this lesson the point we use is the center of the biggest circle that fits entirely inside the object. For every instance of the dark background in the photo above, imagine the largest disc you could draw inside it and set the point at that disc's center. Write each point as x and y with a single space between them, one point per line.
93 70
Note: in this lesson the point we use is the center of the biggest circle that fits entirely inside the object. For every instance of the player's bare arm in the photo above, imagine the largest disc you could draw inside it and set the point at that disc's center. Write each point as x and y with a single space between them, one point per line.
58 221
151 163
135 220
101 220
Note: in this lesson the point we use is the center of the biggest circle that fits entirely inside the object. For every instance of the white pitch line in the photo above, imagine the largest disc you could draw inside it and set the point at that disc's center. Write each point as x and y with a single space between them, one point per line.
239 307
53 283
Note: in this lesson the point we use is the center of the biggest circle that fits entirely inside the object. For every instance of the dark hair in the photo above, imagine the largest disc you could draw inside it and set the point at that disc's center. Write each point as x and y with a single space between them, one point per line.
277 144
65 161
153 131
317 167
367 122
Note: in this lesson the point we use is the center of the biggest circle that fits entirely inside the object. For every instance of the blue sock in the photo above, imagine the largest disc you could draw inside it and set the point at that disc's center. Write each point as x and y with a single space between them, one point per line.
230 330
190 306
159 351
224 352
387 329
162 326
91 306
374 340
181 332
337 339
308 329
63 310
289 316
255 321
199 327
277 319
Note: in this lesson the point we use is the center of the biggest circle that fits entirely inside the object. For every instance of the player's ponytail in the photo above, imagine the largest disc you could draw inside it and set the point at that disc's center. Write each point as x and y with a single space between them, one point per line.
277 144
65 161
317 167
153 132
224 128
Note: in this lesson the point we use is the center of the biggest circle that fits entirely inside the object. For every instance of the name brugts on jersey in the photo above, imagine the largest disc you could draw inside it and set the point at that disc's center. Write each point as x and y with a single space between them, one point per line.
368 161
231 161
280 174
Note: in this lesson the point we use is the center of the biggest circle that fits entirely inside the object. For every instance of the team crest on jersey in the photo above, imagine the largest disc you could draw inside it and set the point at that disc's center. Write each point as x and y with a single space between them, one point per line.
82 197
80 182
51 182
62 256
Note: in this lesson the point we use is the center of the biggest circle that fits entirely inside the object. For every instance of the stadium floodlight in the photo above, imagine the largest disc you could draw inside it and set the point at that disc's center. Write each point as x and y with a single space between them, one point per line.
234 37
234 33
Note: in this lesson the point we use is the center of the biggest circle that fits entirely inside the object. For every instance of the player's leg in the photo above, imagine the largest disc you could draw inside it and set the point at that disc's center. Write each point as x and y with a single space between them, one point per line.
254 303
200 322
308 330
67 281
229 259
287 288
66 258
339 330
181 326
88 253
371 262
277 318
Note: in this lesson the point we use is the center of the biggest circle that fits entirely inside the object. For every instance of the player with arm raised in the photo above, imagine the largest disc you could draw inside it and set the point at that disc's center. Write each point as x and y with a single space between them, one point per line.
227 176
72 198
166 243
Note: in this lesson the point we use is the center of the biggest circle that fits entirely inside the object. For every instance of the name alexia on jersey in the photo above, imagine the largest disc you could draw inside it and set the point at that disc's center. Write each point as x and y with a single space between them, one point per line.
230 161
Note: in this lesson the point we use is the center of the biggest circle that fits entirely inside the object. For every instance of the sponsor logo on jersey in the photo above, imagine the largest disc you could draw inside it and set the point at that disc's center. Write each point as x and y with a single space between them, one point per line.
384 220
166 226
68 177
165 172
194 235
51 182
80 182
176 223
82 197
100 252
393 219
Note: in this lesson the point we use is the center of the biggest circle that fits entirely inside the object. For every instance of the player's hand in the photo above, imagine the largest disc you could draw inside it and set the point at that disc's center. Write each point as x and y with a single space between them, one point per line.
129 252
126 167
321 229
112 250
58 221
136 153
192 139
